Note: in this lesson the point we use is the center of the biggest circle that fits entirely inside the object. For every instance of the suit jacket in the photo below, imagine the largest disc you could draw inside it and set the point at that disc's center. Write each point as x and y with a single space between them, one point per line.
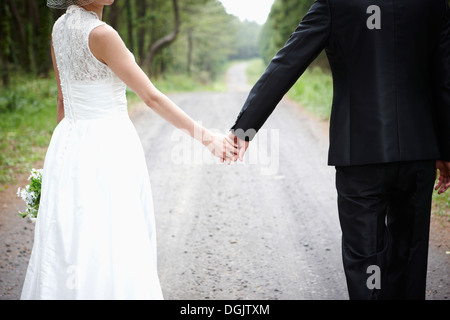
391 79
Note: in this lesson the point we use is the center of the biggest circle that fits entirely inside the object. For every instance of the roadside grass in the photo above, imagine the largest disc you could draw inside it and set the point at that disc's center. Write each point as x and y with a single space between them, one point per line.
314 92
254 71
175 83
441 206
28 118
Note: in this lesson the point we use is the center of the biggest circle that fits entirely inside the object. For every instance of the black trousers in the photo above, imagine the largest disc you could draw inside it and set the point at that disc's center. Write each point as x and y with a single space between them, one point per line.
384 212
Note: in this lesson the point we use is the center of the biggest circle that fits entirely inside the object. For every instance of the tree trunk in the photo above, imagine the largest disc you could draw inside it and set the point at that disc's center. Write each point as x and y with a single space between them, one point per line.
18 22
141 12
130 25
166 40
31 23
190 49
42 37
114 16
5 33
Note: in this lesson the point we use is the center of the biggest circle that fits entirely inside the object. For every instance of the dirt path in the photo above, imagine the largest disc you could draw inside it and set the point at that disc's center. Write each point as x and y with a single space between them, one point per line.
263 229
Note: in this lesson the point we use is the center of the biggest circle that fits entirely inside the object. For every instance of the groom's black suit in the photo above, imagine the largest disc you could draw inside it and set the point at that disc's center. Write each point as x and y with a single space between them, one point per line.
390 121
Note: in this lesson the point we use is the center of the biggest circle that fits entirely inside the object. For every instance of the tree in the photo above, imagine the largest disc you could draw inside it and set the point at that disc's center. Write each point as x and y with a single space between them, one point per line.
41 43
5 33
210 33
178 36
284 17
246 40
165 41
207 39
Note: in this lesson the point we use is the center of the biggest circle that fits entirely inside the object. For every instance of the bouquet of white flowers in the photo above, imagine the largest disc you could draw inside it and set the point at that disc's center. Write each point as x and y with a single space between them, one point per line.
31 194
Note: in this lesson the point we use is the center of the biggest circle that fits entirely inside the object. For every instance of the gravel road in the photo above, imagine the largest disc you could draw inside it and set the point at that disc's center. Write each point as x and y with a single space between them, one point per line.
263 229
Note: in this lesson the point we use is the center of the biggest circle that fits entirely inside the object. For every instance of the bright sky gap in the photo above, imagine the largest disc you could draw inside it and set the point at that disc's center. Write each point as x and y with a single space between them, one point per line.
251 10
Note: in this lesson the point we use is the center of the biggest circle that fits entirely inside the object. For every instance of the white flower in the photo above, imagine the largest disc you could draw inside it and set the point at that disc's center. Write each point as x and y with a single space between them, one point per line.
35 174
31 198
23 194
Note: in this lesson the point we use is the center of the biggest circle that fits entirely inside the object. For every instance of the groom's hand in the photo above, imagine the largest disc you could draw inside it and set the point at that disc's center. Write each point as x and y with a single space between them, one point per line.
241 145
444 176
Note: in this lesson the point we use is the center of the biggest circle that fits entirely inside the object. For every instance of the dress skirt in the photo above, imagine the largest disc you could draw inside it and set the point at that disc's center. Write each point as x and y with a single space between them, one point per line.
95 232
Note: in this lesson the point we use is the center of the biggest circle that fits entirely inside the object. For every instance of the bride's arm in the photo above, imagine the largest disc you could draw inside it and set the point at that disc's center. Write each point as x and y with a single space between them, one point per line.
59 99
107 46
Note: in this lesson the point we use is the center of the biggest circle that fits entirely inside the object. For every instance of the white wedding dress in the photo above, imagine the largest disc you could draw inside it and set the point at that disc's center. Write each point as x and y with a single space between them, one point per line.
95 232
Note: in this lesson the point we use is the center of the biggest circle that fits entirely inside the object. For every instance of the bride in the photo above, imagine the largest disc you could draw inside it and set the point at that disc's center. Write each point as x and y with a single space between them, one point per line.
95 232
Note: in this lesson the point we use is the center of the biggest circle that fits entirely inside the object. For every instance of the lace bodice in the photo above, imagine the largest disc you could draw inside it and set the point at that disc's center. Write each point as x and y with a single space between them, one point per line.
71 44
90 88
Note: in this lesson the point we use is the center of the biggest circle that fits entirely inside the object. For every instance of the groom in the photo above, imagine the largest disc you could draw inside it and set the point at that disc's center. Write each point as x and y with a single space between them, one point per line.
389 130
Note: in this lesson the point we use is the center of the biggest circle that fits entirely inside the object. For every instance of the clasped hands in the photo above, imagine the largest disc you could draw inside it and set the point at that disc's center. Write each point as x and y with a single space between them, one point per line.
228 148
443 180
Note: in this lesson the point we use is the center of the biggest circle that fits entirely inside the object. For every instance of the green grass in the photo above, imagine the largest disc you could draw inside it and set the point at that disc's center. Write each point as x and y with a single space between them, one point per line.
314 91
254 70
181 83
173 83
27 120
441 205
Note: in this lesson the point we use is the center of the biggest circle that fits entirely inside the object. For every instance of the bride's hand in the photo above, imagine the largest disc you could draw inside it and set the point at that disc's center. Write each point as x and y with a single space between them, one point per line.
222 147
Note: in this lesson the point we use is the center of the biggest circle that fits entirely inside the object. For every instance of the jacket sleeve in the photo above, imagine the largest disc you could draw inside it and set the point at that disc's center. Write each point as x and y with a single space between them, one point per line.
303 46
442 85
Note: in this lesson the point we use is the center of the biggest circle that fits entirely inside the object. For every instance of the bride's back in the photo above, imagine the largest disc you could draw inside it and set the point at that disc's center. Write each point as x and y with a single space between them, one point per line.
90 89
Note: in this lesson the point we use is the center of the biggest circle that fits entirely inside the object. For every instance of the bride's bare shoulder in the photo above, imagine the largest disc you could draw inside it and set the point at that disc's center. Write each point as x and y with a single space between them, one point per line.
104 36
104 41
103 32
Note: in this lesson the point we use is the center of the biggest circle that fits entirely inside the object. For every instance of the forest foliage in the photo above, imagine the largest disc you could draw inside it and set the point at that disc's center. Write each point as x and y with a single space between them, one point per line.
193 37
175 36
283 19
